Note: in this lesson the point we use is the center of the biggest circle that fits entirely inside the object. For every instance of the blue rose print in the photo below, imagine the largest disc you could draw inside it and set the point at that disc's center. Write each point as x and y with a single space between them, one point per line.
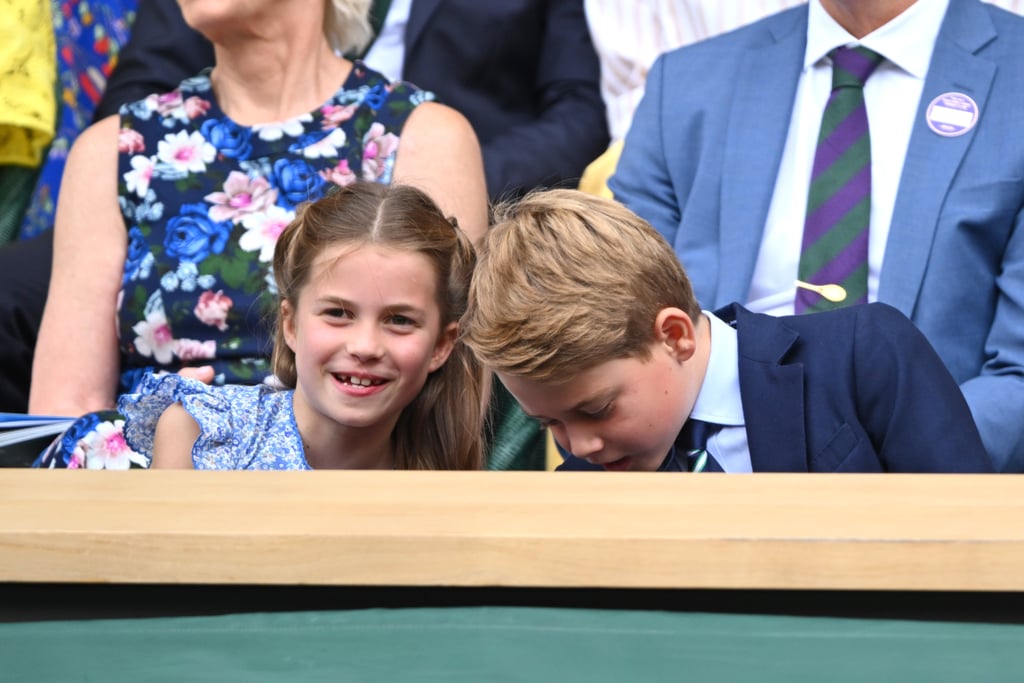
297 180
192 236
228 137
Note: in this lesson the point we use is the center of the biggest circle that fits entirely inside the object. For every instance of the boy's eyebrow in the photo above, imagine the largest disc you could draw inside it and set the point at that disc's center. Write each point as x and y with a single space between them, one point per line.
601 396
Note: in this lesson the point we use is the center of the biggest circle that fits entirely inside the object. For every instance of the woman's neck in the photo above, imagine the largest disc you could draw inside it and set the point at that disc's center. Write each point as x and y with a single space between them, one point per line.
267 82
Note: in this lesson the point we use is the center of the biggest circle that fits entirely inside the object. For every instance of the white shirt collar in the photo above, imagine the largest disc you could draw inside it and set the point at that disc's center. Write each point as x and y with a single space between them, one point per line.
906 42
719 398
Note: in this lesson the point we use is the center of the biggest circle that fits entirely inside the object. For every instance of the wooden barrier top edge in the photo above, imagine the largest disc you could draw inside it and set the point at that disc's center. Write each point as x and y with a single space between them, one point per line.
927 532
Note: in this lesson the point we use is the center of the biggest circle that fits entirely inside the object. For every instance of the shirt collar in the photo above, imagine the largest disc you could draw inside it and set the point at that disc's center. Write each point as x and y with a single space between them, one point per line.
719 398
906 42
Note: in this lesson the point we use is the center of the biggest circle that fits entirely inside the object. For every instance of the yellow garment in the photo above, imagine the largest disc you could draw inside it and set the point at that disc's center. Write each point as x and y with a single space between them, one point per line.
28 72
596 175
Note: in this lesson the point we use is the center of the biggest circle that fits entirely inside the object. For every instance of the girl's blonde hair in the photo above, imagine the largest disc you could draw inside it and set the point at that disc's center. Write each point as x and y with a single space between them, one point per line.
442 427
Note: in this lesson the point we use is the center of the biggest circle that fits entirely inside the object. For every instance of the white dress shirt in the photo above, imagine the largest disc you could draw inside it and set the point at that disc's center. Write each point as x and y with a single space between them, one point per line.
891 96
387 54
719 399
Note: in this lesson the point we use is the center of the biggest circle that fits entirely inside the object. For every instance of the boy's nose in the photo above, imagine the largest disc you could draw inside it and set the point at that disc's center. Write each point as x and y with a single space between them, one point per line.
583 443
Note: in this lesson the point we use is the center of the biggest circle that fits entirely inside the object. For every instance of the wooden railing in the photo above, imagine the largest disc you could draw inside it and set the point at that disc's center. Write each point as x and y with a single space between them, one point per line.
525 529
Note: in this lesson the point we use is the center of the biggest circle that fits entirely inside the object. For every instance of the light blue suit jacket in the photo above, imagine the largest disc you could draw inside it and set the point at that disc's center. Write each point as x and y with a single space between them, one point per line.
701 158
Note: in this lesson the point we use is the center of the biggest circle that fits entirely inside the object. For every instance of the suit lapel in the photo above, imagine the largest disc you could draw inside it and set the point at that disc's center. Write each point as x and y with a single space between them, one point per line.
757 130
932 160
419 17
772 394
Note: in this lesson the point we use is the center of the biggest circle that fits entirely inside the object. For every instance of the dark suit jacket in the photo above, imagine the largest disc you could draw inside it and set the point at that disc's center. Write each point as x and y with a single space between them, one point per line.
858 389
525 74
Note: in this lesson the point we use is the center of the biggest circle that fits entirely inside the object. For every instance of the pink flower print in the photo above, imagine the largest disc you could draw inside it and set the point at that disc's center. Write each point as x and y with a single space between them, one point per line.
105 448
341 175
166 104
378 147
263 229
193 349
130 141
137 179
212 309
195 107
154 337
242 195
184 152
336 114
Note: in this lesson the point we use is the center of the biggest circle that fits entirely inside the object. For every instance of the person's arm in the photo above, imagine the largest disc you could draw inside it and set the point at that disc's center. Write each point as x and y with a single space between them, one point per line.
176 434
77 358
996 396
438 152
570 129
641 180
162 51
908 401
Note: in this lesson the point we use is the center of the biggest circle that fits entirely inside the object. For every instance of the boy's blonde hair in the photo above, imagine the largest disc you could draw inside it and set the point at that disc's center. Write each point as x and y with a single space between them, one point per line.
567 281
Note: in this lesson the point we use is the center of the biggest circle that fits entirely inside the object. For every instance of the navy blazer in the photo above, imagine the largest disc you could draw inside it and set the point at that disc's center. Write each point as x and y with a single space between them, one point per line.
701 159
858 389
525 74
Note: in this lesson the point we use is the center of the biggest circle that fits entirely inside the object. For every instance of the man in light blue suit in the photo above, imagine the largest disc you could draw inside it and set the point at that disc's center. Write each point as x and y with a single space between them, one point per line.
719 159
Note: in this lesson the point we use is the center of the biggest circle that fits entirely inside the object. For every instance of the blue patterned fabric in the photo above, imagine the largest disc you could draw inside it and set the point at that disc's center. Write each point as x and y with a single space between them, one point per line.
89 37
240 427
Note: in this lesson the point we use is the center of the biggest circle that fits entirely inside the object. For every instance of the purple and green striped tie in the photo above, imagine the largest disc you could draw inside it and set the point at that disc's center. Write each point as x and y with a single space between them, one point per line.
835 241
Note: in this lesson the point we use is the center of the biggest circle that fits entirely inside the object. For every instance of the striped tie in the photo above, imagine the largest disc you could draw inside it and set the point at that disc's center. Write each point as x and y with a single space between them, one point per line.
835 242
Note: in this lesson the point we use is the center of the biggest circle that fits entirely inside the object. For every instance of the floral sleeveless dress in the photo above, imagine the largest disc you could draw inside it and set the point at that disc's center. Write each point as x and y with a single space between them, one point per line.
204 200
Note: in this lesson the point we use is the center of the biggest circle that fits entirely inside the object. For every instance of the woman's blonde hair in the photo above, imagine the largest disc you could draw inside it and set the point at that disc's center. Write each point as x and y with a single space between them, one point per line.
347 25
567 281
442 427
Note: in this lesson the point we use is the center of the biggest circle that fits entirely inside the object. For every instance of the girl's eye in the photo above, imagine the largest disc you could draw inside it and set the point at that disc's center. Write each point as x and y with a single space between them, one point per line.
401 321
336 313
600 413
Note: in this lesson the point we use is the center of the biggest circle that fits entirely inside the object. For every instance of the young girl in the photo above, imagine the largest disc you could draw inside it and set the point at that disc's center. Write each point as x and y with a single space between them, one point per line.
371 281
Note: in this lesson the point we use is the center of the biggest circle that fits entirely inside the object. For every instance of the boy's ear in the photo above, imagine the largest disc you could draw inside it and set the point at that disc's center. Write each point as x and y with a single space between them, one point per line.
287 314
675 330
444 346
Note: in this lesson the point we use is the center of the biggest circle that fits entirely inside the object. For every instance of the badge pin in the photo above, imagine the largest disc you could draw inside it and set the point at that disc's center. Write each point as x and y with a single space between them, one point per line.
952 114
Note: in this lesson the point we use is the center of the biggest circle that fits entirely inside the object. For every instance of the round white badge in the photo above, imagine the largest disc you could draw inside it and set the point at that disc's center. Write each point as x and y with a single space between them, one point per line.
952 114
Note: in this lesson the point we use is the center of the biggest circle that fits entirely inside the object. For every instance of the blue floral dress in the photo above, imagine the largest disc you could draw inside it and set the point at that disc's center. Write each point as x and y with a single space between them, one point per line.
240 427
204 200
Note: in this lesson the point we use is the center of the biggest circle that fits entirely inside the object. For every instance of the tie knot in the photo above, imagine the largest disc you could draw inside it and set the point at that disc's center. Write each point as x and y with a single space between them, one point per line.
851 66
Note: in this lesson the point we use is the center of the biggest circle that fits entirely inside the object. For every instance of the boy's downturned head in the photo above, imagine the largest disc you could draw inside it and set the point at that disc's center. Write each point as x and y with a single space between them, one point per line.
566 281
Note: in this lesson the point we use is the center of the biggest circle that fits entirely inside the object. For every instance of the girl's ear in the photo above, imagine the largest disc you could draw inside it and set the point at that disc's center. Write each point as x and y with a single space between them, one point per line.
674 329
444 346
287 314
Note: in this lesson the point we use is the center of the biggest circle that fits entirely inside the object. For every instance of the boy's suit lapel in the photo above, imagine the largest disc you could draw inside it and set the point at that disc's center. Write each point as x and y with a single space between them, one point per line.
772 392
932 160
757 130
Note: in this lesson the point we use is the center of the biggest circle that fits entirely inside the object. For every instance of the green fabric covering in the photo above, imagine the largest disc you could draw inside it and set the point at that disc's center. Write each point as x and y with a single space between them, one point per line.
16 186
473 644
516 441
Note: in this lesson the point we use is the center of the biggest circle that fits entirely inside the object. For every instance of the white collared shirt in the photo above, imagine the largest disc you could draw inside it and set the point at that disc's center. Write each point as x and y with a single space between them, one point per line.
387 54
891 95
719 399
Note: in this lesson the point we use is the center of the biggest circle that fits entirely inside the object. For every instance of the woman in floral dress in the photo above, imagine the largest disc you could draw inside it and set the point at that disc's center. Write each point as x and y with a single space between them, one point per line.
162 248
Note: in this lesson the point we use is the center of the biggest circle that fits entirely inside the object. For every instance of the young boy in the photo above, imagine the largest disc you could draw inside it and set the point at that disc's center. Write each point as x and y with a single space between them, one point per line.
587 317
